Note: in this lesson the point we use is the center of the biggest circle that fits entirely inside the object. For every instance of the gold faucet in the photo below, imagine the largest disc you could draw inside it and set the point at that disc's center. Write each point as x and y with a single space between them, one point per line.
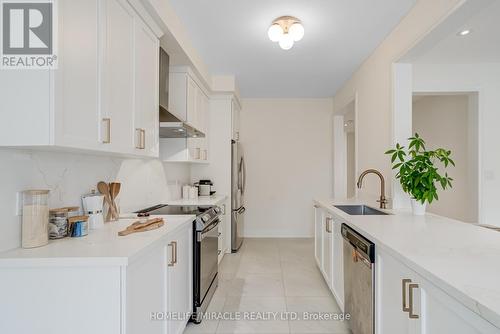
382 200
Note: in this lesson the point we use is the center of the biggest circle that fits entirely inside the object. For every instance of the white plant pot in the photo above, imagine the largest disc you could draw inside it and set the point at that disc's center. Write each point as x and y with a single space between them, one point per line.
418 208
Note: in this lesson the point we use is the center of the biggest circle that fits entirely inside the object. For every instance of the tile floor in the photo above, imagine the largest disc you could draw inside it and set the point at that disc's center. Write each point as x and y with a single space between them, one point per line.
271 275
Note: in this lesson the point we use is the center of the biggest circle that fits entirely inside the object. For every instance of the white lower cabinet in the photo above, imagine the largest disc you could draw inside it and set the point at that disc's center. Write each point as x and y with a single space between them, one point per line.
408 303
326 267
338 264
318 235
179 279
146 286
328 250
103 297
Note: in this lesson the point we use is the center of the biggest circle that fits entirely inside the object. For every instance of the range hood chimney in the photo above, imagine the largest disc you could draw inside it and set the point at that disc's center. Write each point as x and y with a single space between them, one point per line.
170 125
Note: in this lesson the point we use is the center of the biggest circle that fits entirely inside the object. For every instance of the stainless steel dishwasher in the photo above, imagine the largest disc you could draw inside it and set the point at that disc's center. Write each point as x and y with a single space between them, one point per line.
359 276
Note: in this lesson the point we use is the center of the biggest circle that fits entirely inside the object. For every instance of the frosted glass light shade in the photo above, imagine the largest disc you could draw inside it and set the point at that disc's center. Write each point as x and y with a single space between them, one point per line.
275 32
296 31
286 42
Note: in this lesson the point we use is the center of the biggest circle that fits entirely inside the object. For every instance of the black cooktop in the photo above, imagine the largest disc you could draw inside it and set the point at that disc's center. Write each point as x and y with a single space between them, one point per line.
163 209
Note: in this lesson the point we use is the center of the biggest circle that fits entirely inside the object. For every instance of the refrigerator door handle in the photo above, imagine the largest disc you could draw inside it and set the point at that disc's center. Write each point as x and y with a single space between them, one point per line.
243 176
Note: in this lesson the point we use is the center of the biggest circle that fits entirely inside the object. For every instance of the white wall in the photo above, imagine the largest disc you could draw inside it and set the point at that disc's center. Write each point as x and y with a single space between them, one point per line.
484 79
288 152
443 121
68 176
373 84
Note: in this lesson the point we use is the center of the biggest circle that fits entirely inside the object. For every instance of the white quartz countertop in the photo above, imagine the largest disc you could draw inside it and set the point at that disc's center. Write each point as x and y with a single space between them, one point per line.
460 258
200 201
100 247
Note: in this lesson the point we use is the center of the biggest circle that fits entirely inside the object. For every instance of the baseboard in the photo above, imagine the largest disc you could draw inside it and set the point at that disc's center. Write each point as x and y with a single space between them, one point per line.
267 236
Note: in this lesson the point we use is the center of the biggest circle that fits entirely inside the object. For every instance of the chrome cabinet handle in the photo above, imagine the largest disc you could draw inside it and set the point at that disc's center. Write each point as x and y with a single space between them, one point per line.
173 245
411 287
108 130
408 303
328 226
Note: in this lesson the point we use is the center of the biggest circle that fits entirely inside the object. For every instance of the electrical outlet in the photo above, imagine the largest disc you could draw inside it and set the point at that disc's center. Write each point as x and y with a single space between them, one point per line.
19 203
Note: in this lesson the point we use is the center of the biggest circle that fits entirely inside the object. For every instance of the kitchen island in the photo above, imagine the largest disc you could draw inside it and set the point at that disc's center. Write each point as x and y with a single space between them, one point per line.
454 264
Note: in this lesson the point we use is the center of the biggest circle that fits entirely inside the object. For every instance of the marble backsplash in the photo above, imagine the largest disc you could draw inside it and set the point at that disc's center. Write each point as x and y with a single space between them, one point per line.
68 176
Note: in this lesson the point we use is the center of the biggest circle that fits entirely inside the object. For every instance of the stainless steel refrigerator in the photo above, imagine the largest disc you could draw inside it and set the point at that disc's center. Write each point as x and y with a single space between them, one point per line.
238 183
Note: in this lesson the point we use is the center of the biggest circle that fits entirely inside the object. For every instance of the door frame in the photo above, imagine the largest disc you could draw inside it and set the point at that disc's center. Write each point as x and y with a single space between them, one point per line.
340 148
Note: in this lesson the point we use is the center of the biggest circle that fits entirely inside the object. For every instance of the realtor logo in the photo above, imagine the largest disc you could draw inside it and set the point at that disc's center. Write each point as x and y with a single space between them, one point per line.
28 34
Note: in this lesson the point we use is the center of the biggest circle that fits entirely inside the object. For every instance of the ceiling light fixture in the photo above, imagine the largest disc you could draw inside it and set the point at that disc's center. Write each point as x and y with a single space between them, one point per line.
286 30
464 32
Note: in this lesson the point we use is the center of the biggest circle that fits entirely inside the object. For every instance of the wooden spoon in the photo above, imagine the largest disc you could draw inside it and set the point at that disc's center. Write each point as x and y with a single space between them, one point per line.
104 189
114 190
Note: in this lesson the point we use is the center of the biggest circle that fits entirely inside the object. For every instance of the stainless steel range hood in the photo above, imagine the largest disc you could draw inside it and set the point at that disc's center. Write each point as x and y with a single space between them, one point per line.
173 127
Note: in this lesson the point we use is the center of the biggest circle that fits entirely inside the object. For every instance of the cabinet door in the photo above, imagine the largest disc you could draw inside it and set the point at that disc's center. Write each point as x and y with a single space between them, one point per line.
206 113
389 294
338 263
439 313
177 95
180 297
328 248
146 115
77 97
146 293
191 96
318 235
119 77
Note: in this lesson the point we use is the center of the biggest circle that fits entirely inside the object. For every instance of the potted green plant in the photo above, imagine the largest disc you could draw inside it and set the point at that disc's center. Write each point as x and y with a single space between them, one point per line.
418 173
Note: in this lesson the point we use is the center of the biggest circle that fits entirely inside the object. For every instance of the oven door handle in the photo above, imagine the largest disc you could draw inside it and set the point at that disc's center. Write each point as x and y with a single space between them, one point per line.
201 234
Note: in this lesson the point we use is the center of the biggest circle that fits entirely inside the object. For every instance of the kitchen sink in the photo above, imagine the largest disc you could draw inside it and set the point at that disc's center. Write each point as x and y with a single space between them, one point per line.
359 210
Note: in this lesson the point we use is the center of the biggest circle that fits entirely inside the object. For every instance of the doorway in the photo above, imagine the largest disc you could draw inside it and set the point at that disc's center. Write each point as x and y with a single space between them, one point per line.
344 155
450 121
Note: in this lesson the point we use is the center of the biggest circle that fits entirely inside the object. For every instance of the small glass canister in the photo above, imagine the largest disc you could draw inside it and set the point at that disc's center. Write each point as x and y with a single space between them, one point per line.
78 226
58 221
35 218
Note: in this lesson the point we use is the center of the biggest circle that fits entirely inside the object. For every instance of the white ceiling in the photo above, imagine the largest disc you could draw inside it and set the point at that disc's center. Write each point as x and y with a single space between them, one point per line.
482 45
231 36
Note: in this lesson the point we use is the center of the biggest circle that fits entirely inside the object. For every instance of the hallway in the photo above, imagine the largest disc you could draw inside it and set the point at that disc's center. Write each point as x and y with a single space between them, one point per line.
272 275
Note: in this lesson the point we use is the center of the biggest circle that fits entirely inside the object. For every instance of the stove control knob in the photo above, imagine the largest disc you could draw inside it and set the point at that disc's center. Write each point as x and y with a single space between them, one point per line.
205 218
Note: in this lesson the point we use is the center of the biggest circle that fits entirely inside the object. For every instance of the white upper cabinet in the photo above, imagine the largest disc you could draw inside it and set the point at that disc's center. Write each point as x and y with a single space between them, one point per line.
146 123
188 101
77 112
188 97
118 94
104 89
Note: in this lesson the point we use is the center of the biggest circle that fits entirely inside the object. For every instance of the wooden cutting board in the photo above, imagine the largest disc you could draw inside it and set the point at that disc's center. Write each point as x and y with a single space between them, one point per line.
138 226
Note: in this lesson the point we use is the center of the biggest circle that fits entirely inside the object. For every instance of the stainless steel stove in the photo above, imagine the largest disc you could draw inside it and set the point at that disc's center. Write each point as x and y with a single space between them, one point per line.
205 250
